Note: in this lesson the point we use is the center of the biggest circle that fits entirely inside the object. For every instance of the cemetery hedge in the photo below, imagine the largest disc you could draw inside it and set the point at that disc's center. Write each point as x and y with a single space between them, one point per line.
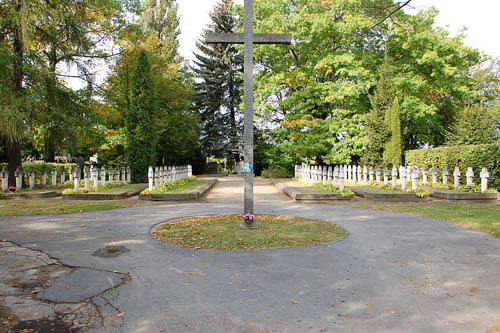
475 156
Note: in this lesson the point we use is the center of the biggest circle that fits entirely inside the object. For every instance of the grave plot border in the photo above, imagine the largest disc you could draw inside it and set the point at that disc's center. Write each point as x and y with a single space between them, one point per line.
192 196
389 197
102 196
456 195
28 195
307 197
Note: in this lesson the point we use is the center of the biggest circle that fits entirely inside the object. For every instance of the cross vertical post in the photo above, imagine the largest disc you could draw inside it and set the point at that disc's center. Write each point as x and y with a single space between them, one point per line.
248 38
248 113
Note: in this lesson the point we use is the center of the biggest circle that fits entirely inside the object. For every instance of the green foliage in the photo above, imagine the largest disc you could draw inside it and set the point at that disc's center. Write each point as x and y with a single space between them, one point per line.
432 76
167 187
142 136
345 193
393 154
177 126
475 125
318 95
277 172
475 156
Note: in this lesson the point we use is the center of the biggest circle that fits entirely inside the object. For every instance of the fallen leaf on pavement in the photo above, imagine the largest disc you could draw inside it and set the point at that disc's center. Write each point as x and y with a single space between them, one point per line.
294 301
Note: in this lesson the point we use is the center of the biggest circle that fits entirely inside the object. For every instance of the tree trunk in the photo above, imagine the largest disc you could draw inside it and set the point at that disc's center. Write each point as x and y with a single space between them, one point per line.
49 150
14 153
13 145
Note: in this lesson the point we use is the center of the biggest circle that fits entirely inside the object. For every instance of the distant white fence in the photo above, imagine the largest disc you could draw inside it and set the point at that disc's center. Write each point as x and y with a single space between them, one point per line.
157 176
91 175
340 174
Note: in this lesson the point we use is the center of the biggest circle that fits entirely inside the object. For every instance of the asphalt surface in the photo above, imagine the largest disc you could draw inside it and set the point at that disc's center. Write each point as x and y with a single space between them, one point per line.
393 273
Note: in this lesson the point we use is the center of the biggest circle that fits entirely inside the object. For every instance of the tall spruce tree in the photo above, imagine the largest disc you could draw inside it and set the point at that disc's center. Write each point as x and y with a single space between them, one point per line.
218 93
142 135
377 132
393 154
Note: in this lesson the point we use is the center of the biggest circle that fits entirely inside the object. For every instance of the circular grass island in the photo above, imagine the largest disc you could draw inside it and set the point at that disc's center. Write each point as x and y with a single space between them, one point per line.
223 232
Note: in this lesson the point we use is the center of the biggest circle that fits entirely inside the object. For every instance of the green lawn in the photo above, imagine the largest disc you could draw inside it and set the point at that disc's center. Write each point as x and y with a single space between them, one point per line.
190 187
223 232
482 217
23 207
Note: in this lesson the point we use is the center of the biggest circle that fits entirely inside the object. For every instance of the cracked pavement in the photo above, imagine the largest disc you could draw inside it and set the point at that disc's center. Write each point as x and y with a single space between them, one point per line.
392 273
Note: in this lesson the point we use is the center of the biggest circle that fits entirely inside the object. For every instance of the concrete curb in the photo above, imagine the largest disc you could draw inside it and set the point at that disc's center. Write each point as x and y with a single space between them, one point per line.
193 196
453 195
299 196
389 197
101 196
28 195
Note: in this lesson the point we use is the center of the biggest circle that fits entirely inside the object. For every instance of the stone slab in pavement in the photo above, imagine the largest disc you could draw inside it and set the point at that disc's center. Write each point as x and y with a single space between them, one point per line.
80 285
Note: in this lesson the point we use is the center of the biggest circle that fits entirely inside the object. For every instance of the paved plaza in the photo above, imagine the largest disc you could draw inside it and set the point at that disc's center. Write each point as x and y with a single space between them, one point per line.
393 273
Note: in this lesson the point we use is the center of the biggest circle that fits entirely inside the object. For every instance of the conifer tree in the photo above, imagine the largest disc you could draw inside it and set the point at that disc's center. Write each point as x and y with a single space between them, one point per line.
377 133
142 135
218 93
393 148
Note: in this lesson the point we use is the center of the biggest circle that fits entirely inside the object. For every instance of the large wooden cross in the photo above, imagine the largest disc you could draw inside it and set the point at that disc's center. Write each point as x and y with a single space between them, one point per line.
248 38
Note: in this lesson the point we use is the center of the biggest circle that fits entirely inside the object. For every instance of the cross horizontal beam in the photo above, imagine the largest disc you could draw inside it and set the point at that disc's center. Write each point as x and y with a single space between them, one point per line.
223 38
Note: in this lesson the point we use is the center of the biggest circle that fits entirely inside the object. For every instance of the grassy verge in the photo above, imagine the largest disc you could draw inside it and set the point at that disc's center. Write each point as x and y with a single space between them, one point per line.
223 232
53 207
481 217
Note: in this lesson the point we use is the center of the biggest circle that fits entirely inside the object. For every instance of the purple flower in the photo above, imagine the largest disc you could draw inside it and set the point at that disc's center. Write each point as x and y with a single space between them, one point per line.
249 217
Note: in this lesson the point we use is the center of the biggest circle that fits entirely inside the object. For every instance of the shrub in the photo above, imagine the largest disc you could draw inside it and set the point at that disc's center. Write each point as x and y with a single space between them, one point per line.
277 172
475 156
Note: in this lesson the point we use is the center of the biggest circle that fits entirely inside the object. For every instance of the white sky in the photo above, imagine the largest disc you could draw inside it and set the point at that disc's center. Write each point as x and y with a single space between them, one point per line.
480 16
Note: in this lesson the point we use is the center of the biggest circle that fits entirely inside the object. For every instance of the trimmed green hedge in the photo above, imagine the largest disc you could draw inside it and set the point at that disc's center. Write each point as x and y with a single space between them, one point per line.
475 156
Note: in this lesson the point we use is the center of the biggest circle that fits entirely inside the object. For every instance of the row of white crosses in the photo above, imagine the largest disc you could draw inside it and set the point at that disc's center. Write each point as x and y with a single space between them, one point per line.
91 176
122 174
160 175
469 176
338 175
